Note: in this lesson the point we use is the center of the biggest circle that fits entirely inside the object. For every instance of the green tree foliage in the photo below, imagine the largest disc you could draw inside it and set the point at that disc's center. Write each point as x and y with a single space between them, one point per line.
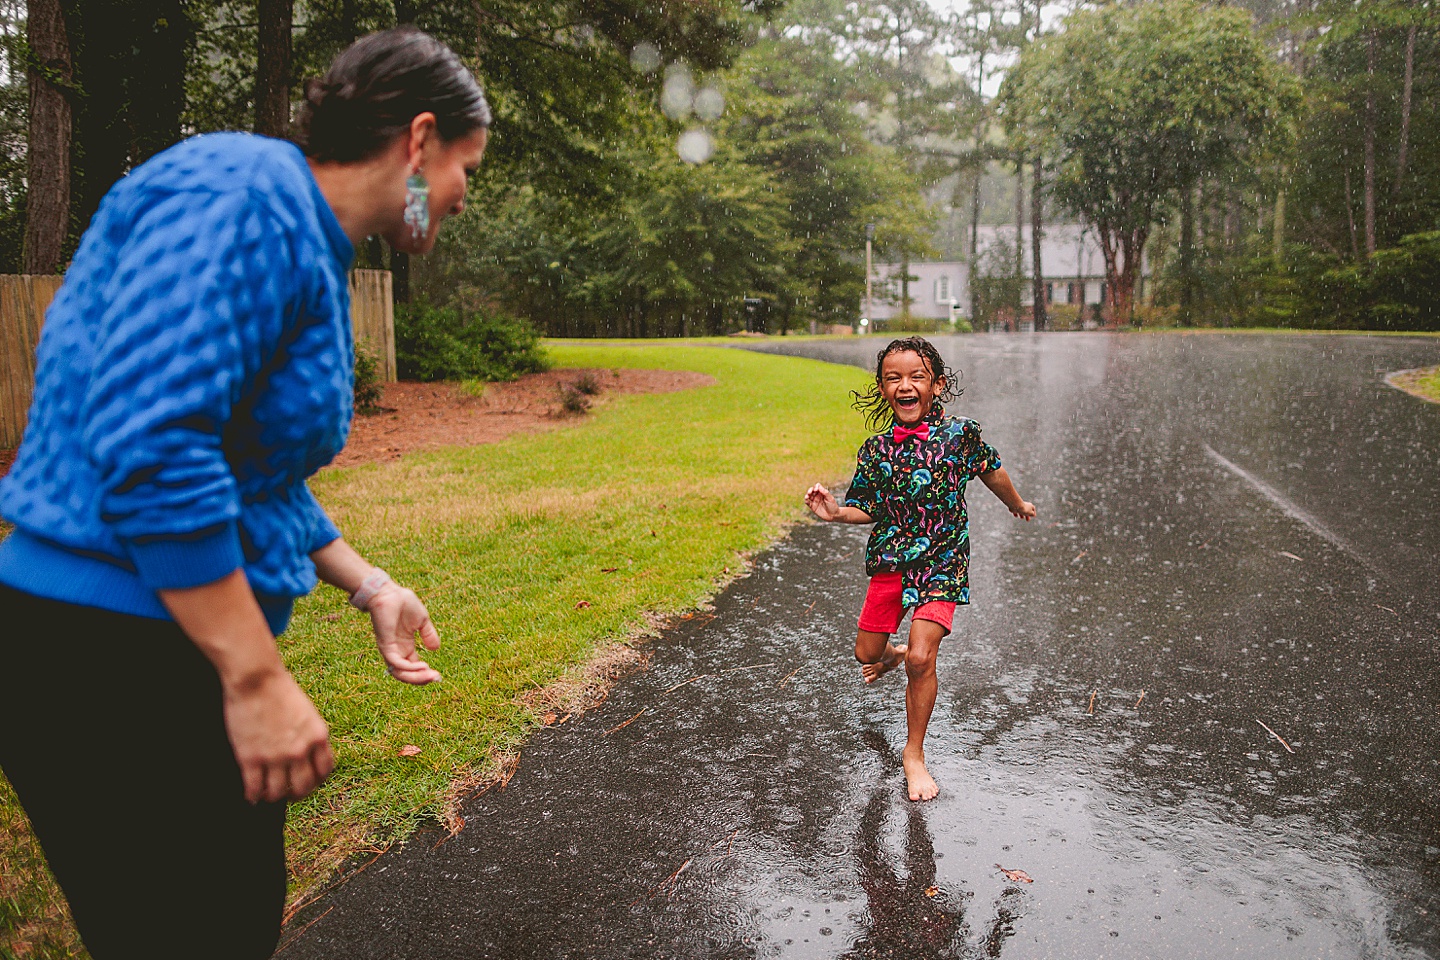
1135 103
1328 183
673 248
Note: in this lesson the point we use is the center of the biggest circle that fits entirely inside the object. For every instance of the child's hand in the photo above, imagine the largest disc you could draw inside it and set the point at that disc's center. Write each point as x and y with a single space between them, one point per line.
822 503
1026 511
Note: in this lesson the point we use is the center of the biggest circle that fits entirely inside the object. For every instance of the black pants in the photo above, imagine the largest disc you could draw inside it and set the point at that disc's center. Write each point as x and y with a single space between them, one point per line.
112 734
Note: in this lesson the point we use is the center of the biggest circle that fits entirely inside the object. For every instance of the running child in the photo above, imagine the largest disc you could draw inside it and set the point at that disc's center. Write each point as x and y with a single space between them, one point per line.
910 482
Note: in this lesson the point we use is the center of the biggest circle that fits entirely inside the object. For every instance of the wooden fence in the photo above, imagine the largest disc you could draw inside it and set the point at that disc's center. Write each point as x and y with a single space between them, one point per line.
24 299
372 313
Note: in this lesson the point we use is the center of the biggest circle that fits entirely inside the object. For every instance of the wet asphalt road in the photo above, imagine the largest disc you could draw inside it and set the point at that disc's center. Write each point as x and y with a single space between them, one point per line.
1233 531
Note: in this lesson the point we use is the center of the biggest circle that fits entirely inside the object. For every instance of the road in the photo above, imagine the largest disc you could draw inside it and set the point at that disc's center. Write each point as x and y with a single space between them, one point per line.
1195 702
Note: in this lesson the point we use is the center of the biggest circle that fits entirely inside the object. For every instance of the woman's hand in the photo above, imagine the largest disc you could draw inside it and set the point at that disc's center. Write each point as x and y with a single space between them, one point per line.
822 503
280 740
398 616
395 612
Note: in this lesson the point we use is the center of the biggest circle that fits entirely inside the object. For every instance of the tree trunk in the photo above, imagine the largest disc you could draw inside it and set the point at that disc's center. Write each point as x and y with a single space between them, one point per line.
1187 255
1369 186
1350 214
1405 100
1037 279
130 59
400 275
1278 249
905 285
1133 246
1019 234
975 246
1019 215
47 171
1106 234
272 68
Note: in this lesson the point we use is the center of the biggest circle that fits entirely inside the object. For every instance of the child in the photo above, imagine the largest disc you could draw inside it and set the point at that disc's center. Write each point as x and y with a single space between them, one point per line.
910 482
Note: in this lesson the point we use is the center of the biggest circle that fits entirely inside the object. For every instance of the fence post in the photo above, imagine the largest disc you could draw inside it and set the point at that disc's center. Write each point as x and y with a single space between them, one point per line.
23 301
372 312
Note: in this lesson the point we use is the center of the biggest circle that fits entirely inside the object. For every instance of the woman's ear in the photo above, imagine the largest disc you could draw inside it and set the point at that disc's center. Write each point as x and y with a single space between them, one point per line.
422 128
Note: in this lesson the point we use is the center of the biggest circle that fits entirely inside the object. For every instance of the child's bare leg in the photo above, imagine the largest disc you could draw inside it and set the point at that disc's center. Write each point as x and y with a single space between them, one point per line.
925 637
877 655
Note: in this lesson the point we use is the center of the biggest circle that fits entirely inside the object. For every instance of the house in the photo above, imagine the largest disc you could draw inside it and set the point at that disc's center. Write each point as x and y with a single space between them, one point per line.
1070 257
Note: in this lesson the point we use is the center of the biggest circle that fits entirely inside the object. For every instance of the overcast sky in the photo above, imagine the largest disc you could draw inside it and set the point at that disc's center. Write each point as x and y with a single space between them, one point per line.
1052 14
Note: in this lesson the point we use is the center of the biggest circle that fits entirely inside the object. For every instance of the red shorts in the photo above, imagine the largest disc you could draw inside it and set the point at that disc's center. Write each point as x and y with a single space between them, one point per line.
883 611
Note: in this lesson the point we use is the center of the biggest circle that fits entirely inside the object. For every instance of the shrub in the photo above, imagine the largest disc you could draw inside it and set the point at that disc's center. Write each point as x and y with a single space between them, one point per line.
587 383
1396 289
445 343
367 382
909 323
572 401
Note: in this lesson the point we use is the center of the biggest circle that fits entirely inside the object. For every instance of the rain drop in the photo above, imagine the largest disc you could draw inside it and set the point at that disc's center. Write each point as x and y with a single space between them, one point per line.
695 145
645 58
709 104
678 95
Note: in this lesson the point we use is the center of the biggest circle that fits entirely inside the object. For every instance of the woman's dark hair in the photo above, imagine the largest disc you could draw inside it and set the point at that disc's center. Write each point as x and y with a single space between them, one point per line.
377 86
873 404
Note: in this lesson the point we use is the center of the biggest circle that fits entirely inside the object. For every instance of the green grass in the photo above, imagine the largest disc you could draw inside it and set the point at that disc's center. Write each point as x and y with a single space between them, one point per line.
507 542
1296 331
1423 383
504 542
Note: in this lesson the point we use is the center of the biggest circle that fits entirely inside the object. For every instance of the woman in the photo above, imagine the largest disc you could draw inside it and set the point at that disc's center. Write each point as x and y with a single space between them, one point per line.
195 369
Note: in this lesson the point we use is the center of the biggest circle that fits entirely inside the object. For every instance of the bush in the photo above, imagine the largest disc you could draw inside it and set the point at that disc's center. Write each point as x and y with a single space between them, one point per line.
572 401
446 343
1396 289
909 323
367 381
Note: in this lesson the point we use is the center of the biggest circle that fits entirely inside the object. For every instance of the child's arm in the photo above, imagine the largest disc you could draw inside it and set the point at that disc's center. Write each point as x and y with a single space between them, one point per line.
998 482
824 505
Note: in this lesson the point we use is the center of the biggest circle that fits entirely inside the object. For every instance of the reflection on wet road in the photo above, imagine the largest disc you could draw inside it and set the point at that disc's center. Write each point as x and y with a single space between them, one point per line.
1235 559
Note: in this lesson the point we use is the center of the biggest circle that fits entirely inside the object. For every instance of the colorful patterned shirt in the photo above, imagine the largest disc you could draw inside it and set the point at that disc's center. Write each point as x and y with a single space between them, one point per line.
915 491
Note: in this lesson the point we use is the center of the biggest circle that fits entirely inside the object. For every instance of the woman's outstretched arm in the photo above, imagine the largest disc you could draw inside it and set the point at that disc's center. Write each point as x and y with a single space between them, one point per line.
396 614
280 740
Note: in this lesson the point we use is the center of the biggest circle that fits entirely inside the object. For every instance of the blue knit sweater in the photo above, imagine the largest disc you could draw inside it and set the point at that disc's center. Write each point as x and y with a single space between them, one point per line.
194 369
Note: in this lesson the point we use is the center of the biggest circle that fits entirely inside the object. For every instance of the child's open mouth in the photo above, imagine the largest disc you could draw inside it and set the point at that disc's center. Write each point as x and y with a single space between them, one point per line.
907 403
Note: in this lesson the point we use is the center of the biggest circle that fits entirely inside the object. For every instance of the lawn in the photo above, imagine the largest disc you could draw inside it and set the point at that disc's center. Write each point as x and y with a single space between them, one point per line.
1423 383
534 555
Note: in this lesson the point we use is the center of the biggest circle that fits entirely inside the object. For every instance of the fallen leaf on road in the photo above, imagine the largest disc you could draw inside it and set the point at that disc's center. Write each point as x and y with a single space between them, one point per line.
932 891
409 750
549 718
1287 553
1015 876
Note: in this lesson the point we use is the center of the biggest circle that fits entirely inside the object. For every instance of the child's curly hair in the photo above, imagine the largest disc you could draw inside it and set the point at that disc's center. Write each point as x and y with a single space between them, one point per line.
878 415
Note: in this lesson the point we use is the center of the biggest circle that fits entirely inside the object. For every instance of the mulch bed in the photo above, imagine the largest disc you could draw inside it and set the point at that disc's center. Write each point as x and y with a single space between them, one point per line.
427 416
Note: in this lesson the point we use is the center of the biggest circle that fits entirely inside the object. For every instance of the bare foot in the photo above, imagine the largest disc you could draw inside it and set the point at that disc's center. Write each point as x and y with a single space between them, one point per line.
889 660
922 786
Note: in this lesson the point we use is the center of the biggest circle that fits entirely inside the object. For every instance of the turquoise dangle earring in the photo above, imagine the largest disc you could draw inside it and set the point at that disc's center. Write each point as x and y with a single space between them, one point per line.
417 205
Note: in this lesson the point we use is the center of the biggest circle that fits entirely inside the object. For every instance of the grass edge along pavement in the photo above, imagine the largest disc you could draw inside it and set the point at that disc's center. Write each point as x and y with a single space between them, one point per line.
535 555
1423 382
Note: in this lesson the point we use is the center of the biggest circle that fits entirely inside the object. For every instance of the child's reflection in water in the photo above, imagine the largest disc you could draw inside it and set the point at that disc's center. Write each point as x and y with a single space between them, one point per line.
904 920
